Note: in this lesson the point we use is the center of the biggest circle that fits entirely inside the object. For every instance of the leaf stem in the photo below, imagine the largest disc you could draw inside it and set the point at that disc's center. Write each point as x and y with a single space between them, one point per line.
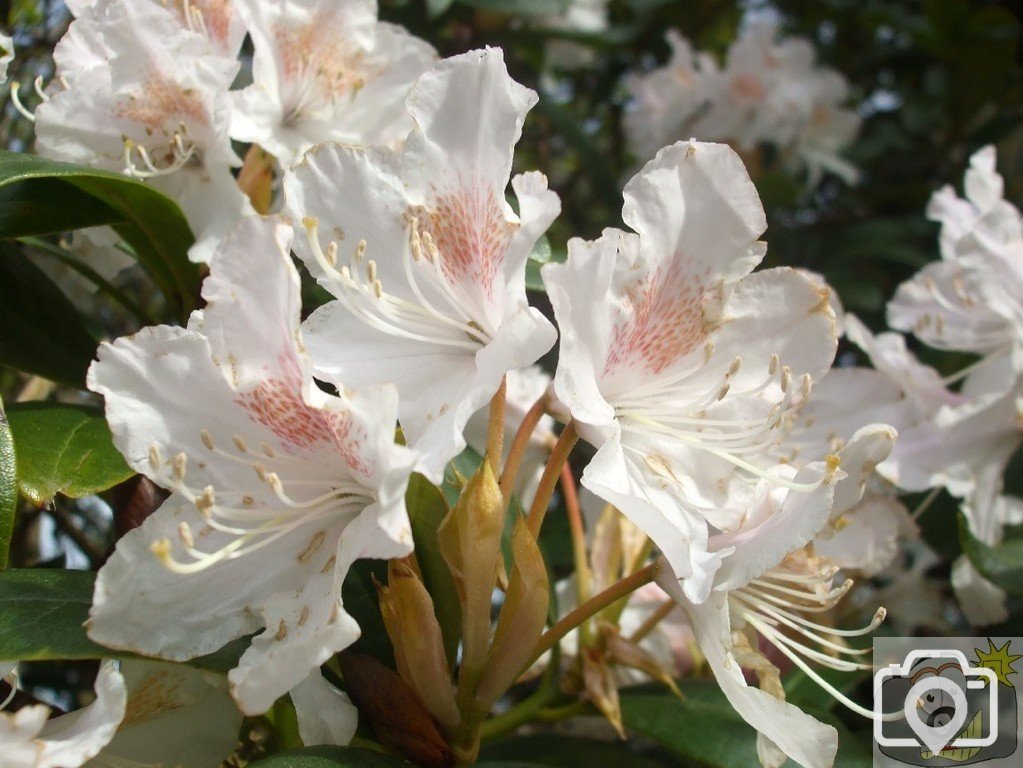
583 579
593 606
519 444
549 481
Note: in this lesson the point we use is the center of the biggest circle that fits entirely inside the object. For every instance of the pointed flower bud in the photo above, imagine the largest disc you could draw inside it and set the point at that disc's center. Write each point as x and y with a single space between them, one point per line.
522 618
470 542
411 624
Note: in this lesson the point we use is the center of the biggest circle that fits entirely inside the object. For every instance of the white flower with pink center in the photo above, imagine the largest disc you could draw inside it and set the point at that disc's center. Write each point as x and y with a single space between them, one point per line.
277 487
141 95
325 71
679 366
425 257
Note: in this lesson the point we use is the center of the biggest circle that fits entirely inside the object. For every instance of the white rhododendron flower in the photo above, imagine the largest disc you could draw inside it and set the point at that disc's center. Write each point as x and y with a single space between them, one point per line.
667 99
216 20
772 586
28 739
766 92
325 71
277 487
970 300
675 362
6 56
425 256
142 95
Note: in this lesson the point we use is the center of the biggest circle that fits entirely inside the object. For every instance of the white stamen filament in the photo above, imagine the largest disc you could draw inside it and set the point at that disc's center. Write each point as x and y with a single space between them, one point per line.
766 611
386 312
18 105
180 153
250 525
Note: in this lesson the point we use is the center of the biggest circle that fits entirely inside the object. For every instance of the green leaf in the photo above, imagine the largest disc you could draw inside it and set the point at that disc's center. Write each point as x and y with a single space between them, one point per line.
564 752
520 7
42 332
151 223
437 7
8 487
64 449
426 509
1001 565
42 616
359 598
705 729
330 757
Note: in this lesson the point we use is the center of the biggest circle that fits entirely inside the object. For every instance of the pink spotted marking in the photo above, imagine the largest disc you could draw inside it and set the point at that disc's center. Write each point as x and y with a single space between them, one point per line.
471 233
216 17
318 51
164 102
277 404
667 319
749 87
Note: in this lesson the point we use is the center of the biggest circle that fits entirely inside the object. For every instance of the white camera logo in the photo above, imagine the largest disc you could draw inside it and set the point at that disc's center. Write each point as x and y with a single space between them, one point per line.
935 708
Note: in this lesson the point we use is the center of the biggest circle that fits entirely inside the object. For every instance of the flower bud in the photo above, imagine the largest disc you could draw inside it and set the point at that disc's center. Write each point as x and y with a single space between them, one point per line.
407 610
601 688
522 620
470 542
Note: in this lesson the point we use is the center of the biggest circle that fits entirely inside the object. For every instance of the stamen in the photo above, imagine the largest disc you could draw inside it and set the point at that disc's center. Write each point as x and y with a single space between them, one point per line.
18 105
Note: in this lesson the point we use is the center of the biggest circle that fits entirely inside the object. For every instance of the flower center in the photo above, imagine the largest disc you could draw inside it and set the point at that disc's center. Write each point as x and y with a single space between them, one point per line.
442 320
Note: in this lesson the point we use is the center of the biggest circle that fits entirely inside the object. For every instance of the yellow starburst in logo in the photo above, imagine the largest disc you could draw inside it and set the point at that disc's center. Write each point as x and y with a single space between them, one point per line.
998 660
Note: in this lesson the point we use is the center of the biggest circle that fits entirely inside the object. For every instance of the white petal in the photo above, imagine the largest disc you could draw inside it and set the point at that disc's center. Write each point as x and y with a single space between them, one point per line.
325 714
807 741
981 601
70 740
166 701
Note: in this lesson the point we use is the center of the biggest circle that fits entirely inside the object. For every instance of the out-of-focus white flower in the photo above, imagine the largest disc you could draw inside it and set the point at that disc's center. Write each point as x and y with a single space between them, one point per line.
325 71
676 363
28 739
666 100
579 16
425 256
6 56
137 93
277 487
768 91
972 299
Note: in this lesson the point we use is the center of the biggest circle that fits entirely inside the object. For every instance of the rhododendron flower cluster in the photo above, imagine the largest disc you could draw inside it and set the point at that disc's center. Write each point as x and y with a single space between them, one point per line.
767 92
357 437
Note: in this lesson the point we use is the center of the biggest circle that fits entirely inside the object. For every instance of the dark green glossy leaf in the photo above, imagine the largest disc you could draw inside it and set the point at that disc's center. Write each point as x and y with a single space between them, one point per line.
1002 565
8 487
705 729
64 449
520 7
42 332
43 613
427 508
151 223
330 757
359 597
564 752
